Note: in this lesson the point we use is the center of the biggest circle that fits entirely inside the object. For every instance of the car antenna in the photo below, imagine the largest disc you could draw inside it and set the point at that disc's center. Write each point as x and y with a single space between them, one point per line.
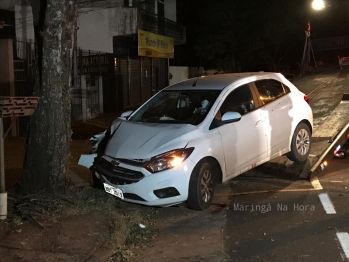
198 76
195 81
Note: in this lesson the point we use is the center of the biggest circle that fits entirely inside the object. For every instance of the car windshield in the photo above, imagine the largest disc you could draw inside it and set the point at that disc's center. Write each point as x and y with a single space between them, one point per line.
179 107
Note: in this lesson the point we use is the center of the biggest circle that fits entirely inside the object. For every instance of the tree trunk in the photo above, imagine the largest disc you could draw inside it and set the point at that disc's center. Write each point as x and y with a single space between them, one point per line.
48 140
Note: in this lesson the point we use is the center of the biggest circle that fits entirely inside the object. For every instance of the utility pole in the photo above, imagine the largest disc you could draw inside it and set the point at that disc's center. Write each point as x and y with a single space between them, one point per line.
308 55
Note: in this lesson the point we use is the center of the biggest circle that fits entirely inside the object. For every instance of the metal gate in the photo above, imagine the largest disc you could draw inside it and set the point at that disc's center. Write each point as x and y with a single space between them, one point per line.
87 98
127 82
94 102
141 77
94 85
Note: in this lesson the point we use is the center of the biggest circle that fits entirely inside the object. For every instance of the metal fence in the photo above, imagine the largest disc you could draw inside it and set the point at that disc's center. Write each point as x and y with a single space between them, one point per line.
24 66
87 67
101 82
87 92
24 73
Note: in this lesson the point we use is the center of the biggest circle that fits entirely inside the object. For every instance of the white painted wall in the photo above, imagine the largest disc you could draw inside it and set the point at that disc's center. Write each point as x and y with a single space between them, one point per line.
93 33
170 10
179 73
24 22
97 27
9 4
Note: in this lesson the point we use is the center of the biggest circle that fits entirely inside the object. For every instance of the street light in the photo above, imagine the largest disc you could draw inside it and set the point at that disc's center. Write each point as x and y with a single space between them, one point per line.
318 4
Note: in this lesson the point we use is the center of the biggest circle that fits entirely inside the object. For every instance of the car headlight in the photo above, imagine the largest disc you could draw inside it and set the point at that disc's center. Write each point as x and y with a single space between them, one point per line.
168 160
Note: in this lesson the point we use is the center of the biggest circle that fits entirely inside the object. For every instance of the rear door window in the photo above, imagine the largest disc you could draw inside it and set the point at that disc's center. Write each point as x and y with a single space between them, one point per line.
270 90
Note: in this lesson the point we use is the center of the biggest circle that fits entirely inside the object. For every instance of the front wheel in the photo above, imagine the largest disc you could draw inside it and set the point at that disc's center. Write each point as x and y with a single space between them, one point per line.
300 144
201 187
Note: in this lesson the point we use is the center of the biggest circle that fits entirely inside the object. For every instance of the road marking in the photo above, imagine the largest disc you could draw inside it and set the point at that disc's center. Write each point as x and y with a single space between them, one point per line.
268 191
316 183
343 238
327 203
316 88
336 76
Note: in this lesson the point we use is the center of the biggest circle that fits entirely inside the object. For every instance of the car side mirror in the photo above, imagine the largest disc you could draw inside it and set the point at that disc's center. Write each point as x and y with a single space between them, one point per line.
126 114
230 117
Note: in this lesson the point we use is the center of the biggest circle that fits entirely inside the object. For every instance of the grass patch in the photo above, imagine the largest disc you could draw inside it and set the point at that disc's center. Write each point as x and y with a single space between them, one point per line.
128 224
139 227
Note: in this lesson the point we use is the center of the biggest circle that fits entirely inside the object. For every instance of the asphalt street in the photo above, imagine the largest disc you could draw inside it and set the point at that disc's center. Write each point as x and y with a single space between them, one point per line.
293 222
274 215
282 219
272 212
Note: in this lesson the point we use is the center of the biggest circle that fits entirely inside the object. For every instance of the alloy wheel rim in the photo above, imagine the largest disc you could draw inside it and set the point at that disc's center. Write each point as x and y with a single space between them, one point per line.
206 186
302 142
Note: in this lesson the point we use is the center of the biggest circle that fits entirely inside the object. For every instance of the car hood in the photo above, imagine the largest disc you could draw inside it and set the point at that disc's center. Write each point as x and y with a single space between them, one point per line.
134 140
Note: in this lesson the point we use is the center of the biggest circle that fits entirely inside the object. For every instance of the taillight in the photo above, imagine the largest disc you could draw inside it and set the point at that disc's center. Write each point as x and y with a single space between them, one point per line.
306 98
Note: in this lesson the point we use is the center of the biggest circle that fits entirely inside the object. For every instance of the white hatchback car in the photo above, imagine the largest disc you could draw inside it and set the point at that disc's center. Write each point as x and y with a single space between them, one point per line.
201 132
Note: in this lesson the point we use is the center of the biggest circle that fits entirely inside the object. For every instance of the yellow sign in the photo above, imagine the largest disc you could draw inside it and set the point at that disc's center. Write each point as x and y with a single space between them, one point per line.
153 45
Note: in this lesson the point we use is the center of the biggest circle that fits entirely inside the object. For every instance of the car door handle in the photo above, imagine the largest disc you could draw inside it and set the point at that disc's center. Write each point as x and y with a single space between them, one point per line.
290 111
259 122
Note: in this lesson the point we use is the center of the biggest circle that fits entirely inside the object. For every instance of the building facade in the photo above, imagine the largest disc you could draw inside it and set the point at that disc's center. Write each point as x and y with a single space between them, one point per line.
107 46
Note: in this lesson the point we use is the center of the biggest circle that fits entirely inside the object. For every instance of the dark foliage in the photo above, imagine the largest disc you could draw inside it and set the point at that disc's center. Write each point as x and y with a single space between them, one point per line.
250 35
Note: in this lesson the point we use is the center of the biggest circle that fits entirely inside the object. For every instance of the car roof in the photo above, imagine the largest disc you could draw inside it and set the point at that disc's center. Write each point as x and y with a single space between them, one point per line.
218 82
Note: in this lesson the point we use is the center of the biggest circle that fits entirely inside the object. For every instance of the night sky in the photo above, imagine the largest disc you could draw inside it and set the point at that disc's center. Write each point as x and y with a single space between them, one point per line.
265 21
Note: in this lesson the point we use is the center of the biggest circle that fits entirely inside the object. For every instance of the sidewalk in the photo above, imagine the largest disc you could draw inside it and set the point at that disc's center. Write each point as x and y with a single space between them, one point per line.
87 234
92 232
330 113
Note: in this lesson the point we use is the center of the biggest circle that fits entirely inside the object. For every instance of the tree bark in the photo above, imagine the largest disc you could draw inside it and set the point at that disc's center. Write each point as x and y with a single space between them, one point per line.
48 140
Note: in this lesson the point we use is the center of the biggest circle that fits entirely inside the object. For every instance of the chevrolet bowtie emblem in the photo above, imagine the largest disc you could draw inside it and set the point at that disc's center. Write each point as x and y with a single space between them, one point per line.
115 162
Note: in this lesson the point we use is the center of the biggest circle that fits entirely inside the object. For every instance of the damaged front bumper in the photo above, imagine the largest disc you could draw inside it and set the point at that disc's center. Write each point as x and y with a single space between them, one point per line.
139 186
87 160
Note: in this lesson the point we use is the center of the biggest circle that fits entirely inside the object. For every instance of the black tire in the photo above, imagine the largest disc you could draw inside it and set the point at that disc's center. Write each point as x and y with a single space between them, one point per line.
95 182
300 144
201 187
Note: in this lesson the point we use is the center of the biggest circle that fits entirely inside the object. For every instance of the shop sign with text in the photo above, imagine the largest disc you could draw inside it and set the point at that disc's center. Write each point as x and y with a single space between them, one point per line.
154 45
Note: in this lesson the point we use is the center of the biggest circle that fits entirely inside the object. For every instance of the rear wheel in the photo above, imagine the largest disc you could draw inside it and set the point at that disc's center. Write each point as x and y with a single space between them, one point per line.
300 144
201 187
